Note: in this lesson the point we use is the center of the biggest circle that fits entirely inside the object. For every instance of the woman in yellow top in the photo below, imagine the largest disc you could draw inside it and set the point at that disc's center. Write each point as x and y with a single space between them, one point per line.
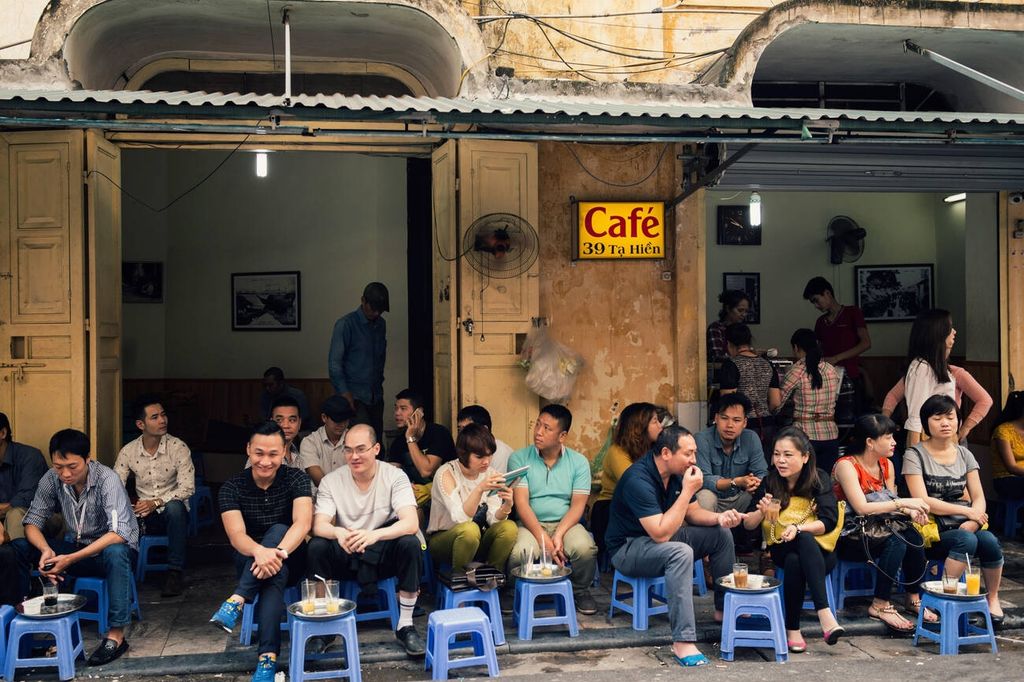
638 428
1008 444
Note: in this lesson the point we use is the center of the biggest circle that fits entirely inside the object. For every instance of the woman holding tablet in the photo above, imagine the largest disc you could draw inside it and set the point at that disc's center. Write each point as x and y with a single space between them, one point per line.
470 506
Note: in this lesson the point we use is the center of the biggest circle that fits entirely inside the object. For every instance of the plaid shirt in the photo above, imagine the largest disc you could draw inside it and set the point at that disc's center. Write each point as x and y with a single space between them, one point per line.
101 508
260 508
716 342
814 409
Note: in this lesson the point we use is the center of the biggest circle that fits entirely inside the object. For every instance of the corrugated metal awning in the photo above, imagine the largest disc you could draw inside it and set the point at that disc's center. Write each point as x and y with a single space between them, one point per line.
537 114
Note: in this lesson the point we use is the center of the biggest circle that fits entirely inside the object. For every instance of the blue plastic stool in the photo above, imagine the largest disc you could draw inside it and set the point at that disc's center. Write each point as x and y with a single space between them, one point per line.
7 614
302 630
451 599
525 606
645 598
1010 509
766 604
427 576
853 579
443 626
249 624
698 577
144 565
101 615
808 605
201 509
67 634
954 628
387 600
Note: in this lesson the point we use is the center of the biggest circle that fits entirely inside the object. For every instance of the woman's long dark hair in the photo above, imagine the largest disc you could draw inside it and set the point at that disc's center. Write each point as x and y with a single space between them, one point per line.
1012 410
872 426
730 298
805 340
631 432
807 483
928 341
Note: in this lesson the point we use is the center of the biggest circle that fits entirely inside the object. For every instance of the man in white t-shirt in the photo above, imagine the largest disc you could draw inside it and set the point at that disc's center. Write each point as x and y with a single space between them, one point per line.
365 527
478 414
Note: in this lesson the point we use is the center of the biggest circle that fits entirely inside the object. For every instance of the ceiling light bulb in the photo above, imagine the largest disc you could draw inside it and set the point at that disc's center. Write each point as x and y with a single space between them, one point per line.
953 198
261 164
755 209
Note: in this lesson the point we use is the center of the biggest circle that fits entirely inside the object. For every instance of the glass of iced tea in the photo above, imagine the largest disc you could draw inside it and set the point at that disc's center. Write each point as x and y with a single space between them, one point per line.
949 583
308 596
974 580
772 509
333 594
739 576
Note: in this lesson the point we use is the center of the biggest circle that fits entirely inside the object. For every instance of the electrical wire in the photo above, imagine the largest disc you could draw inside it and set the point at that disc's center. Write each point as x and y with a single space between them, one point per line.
501 41
559 55
270 27
602 46
661 157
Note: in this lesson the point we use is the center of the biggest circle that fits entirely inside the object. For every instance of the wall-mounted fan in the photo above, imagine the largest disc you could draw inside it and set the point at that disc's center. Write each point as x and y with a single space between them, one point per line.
845 239
500 245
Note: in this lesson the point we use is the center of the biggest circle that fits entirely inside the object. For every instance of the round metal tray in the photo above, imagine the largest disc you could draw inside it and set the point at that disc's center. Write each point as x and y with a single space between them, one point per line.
345 607
768 584
557 573
35 609
934 588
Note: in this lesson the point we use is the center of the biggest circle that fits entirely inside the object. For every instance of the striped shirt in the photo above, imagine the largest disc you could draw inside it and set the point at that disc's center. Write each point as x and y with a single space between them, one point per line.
102 507
813 409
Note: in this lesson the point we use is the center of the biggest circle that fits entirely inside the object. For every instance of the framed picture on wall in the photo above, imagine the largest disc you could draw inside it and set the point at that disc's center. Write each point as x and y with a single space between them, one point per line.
893 293
265 301
734 227
142 282
749 282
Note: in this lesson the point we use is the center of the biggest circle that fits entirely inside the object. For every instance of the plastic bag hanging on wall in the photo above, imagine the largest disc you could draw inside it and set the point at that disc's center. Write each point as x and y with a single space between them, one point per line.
551 367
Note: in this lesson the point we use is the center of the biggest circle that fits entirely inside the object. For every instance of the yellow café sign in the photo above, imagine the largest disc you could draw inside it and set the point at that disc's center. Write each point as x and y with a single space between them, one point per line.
613 230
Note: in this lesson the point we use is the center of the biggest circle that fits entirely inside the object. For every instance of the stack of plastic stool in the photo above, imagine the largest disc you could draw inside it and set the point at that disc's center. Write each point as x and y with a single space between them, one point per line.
487 600
641 600
67 634
954 628
302 629
444 626
766 604
524 610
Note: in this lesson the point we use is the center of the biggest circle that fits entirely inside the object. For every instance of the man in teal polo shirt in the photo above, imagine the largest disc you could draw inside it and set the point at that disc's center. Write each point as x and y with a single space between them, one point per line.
551 499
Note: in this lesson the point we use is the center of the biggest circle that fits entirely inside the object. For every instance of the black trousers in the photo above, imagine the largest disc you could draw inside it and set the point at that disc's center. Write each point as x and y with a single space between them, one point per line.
400 558
807 566
11 575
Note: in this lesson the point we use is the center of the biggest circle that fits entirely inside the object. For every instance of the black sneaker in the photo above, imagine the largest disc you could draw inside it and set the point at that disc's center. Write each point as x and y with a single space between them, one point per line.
585 603
173 584
411 641
108 651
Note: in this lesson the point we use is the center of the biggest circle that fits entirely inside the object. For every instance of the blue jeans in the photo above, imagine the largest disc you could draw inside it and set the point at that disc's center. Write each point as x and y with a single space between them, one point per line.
116 565
270 590
958 544
172 522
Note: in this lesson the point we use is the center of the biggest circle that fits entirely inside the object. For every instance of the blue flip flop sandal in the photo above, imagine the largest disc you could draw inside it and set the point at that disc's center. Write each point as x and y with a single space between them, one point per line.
693 661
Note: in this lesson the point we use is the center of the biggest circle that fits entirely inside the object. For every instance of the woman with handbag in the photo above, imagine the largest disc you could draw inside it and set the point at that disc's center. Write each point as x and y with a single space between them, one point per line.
879 528
803 537
945 474
470 506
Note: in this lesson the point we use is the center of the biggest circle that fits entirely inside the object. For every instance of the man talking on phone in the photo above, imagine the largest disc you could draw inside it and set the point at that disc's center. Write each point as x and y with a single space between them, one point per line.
420 447
656 528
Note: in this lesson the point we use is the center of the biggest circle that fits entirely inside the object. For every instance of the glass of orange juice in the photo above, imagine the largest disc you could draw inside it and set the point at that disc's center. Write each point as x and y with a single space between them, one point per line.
974 580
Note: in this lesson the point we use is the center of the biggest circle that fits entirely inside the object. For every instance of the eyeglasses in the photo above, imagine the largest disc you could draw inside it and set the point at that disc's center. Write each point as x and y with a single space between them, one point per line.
361 450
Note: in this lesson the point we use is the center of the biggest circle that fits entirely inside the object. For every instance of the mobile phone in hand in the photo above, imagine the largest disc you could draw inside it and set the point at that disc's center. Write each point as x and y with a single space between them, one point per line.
48 566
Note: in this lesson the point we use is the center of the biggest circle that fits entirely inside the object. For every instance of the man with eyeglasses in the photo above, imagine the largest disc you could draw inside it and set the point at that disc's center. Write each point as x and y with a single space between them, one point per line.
365 529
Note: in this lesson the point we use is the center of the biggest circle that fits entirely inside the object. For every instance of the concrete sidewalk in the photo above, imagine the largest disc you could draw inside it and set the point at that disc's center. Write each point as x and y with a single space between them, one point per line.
175 637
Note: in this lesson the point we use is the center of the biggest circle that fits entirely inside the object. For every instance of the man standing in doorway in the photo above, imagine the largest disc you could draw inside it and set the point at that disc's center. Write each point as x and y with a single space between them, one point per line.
164 481
843 335
356 358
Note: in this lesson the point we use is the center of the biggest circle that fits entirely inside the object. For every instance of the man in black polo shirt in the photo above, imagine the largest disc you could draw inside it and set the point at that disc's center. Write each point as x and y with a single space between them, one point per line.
267 512
420 448
648 535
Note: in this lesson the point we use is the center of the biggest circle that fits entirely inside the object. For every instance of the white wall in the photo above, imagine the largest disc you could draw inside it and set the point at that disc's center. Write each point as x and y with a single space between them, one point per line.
338 219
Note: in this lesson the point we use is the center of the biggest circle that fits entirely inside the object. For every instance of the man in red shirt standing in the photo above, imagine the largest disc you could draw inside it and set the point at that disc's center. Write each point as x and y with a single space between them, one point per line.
843 335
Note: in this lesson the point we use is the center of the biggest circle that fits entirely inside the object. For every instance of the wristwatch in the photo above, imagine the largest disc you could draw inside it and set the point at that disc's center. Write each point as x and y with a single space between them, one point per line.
282 549
410 439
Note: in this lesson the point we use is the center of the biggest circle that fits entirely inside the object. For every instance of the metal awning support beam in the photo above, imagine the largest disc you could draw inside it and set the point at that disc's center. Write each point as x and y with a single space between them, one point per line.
973 74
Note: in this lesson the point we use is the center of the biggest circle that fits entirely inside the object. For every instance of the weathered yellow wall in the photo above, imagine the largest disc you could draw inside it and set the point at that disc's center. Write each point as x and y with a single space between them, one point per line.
1011 284
618 315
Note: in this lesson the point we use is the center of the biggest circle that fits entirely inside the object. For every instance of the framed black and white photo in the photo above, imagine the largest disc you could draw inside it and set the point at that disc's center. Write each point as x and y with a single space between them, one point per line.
142 282
749 282
734 228
894 293
265 301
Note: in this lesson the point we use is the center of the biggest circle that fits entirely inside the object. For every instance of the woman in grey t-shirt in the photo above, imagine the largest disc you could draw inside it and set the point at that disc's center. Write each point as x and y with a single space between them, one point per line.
945 474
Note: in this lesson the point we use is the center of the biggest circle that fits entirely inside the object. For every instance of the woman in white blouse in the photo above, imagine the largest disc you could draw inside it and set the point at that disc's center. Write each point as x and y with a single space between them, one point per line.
470 504
931 341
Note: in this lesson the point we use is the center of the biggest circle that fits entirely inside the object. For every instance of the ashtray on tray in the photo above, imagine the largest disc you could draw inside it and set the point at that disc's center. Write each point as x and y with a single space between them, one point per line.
537 573
38 609
320 609
755 583
935 587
